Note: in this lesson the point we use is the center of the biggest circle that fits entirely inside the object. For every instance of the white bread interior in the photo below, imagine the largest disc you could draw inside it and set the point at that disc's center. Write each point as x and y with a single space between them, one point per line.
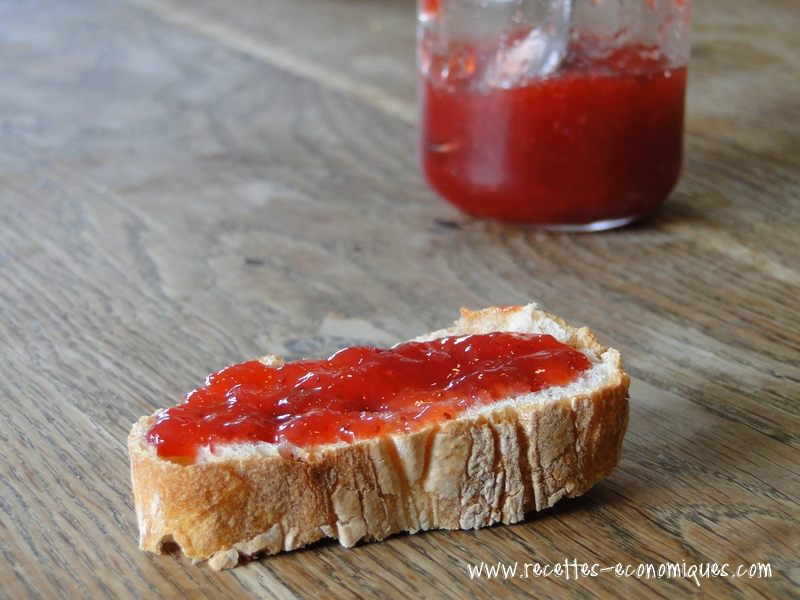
491 464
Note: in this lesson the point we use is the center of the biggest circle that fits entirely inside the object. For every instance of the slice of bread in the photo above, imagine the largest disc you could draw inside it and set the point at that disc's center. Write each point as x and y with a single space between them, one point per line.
492 463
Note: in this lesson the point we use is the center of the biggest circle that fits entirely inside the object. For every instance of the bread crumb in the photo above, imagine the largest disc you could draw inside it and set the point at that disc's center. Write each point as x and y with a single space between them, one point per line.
225 559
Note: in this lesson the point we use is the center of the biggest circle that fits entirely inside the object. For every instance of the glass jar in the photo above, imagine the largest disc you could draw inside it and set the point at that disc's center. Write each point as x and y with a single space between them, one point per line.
563 113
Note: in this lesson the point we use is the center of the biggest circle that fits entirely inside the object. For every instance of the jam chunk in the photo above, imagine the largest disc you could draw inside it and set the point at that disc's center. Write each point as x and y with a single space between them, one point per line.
362 392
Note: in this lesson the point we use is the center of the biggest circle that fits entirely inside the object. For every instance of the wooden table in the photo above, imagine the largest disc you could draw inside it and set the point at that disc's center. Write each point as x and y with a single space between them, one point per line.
184 185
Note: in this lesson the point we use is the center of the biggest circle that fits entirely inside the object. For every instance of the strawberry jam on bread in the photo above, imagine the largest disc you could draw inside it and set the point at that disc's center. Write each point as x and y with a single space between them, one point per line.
507 411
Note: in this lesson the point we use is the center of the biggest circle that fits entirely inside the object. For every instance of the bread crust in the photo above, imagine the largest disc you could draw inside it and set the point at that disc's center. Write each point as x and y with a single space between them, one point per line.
491 464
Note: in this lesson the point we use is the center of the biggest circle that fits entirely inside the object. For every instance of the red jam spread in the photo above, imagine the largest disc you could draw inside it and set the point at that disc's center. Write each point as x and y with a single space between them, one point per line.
598 140
362 392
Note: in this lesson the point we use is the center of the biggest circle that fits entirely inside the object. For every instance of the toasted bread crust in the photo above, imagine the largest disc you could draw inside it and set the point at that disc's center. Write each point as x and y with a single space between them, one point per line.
489 465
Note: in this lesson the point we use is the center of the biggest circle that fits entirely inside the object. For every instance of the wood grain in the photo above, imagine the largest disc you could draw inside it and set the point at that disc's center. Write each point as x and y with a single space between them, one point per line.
181 188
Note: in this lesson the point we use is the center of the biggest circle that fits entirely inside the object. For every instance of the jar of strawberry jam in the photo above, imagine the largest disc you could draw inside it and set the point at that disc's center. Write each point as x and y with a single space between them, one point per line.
567 114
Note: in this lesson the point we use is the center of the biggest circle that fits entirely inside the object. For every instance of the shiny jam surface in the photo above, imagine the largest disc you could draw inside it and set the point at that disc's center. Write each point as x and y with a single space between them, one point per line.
600 139
361 392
